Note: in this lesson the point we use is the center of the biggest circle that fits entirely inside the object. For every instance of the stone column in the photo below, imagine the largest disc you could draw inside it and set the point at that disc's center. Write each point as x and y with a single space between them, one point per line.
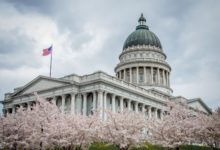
54 100
152 75
129 104
113 103
94 101
130 72
72 103
100 103
155 111
124 74
63 103
78 104
149 112
137 74
145 75
28 106
161 114
121 104
143 108
105 106
158 76
136 106
164 83
13 109
168 79
84 104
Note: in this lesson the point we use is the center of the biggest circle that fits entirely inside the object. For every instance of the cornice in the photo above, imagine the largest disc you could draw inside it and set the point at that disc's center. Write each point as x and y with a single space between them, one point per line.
142 49
136 63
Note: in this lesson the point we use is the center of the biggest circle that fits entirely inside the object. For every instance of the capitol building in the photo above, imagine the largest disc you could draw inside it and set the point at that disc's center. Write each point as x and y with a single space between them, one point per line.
141 83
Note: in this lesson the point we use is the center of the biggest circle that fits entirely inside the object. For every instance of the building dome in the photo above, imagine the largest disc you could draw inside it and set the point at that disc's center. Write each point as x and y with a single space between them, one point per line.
142 36
143 61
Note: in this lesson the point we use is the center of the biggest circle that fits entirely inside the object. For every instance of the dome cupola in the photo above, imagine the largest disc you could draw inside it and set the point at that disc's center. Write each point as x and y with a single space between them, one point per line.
142 61
142 36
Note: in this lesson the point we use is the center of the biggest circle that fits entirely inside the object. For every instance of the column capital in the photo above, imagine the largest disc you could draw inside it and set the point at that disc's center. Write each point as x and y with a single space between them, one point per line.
113 95
100 91
73 93
105 93
84 93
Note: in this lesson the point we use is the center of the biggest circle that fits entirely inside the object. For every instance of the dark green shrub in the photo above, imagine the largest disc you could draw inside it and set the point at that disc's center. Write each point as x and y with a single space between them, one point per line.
155 147
103 146
148 146
194 147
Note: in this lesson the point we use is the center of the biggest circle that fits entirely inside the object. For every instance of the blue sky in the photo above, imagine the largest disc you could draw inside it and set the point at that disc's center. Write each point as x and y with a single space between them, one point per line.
88 36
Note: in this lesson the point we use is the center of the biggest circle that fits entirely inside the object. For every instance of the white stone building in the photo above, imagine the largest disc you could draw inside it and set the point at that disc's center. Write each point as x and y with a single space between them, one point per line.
142 83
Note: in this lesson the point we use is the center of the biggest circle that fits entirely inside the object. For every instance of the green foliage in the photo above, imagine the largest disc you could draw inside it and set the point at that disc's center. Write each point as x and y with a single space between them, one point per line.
155 147
103 146
195 147
148 146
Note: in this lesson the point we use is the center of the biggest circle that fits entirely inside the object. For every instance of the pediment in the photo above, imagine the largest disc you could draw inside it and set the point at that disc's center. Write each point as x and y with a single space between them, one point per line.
41 83
199 105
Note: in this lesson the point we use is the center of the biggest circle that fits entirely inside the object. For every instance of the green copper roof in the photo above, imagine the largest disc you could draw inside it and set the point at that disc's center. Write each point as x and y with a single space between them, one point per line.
142 36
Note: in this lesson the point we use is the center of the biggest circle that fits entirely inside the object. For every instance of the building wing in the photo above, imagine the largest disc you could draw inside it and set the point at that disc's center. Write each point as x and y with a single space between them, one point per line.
198 104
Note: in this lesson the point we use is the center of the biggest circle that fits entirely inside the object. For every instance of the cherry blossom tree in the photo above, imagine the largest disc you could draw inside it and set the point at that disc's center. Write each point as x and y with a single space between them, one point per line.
74 131
28 128
176 127
183 125
15 130
45 126
124 129
208 129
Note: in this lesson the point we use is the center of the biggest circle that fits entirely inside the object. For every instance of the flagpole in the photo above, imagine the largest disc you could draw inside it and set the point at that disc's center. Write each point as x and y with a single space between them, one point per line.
51 62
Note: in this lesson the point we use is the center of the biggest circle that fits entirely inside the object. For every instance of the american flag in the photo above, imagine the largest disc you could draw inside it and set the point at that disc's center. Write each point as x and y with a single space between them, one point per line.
47 51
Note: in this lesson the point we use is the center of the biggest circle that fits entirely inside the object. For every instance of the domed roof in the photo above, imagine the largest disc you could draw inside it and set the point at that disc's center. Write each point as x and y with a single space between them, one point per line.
142 36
